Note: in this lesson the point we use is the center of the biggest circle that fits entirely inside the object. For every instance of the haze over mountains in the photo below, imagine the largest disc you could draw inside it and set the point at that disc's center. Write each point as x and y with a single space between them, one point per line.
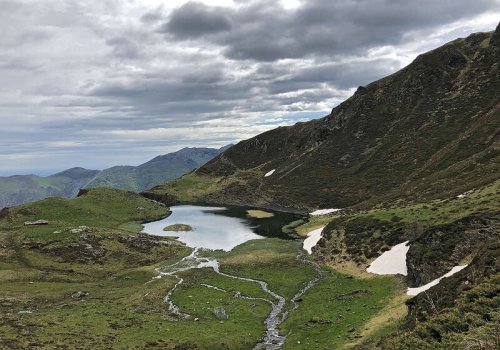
19 189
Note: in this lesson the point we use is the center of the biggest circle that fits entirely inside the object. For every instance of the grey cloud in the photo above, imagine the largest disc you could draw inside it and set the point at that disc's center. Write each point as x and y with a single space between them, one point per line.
194 20
97 83
124 47
341 75
264 31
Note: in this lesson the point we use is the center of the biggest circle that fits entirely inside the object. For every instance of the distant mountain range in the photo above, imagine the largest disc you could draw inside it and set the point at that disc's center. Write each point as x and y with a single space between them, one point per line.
19 189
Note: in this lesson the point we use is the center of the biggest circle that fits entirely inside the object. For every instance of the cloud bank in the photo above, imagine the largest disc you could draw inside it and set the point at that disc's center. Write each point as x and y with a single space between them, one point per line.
101 83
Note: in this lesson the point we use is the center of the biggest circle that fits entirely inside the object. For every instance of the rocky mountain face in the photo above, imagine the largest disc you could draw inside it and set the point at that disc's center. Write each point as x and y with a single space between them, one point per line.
427 131
19 189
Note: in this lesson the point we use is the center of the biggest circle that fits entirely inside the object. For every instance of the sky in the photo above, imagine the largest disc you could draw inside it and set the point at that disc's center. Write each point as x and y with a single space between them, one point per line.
98 83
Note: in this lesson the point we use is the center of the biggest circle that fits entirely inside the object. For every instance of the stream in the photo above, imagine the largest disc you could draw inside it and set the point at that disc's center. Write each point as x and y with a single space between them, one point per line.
241 230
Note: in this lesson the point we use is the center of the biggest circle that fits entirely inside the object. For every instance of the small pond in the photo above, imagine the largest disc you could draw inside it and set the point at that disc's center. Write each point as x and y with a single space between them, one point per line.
219 227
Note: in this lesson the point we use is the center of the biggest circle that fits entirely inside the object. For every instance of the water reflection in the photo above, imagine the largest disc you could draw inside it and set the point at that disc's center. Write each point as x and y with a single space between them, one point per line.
218 227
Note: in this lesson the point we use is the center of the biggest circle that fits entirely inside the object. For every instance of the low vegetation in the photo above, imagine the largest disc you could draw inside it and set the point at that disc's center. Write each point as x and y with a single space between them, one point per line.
178 227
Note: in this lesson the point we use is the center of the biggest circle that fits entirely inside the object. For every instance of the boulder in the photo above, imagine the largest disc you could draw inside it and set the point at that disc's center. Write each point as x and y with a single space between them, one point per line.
35 223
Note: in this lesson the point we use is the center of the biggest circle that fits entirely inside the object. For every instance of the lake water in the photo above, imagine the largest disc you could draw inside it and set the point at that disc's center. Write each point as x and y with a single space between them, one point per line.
219 227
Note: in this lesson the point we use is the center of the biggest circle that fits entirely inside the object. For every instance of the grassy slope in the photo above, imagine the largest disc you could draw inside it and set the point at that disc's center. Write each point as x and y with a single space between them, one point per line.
468 233
42 267
122 310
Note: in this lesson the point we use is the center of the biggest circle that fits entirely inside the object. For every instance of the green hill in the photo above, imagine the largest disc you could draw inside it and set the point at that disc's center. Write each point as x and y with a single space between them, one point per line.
19 189
158 170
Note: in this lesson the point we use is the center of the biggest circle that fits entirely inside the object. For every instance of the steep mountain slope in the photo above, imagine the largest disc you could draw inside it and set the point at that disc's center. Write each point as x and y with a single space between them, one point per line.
428 131
19 189
158 170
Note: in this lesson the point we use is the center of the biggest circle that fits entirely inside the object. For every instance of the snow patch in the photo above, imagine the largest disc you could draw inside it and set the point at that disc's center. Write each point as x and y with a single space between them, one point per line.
312 239
269 173
418 290
391 262
323 211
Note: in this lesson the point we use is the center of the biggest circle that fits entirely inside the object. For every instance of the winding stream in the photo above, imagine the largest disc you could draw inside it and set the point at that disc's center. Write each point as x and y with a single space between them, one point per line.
241 231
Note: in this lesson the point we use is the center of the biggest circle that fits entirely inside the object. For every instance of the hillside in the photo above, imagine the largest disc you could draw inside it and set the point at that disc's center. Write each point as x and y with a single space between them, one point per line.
158 170
20 189
427 131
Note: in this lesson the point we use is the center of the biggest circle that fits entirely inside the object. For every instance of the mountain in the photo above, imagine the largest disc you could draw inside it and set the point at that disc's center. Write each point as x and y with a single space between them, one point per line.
19 189
427 131
412 158
158 170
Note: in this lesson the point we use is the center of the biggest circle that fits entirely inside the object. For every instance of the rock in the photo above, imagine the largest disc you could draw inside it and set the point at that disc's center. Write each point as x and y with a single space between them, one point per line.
351 329
88 246
317 320
25 312
79 295
35 223
80 229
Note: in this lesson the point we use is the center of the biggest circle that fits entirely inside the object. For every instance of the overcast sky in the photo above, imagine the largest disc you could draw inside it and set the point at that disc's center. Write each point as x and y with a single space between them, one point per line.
97 83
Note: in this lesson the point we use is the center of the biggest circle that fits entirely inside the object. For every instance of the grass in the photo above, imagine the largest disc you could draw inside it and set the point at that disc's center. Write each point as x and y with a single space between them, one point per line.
103 208
316 222
178 227
42 269
271 260
126 309
189 187
334 312
482 200
259 214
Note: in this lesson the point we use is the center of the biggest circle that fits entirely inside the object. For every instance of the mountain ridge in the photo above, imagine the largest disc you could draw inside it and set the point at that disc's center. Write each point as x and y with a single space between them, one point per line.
20 189
428 131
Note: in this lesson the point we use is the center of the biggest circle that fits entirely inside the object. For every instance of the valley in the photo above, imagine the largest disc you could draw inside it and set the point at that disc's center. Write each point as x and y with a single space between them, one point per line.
91 270
374 227
115 292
